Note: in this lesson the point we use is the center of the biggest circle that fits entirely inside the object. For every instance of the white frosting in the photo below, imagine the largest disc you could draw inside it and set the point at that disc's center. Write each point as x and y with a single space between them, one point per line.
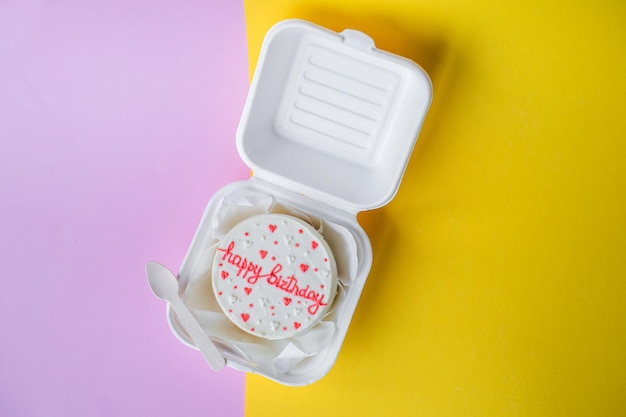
274 276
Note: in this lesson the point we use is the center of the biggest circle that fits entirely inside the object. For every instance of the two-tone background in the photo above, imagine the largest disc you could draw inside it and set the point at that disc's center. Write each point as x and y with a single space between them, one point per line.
498 282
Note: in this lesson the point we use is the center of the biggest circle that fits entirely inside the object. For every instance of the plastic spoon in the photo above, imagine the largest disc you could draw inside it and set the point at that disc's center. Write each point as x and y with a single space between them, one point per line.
164 285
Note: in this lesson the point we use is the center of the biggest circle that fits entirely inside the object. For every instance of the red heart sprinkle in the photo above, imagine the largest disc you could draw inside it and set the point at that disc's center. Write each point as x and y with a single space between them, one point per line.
304 267
287 300
296 325
263 254
247 290
224 274
314 244
272 227
245 317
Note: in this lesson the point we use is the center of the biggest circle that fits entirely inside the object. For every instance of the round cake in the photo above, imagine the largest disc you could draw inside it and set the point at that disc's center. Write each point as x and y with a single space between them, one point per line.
274 276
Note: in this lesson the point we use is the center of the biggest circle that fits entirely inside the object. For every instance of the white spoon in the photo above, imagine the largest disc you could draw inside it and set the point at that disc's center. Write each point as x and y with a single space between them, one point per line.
164 285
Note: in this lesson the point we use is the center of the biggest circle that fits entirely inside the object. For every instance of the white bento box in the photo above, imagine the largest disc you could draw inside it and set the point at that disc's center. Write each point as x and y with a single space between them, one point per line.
327 129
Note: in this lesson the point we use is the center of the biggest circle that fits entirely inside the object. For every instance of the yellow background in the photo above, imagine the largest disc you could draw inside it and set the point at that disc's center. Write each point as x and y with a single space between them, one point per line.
498 282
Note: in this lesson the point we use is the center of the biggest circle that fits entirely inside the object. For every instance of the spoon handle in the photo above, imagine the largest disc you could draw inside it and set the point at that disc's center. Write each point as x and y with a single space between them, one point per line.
213 356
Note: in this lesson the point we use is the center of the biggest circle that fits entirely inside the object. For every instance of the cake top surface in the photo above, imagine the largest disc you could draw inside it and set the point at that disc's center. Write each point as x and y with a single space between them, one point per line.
274 276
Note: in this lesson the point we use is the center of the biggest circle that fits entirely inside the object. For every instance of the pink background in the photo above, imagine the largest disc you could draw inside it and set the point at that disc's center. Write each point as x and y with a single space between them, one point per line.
117 124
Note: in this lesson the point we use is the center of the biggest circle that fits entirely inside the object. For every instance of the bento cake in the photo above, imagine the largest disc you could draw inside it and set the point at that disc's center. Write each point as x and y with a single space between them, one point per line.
274 276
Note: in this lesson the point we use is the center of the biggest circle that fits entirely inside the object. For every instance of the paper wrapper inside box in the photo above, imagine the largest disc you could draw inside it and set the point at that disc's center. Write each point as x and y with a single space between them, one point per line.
272 358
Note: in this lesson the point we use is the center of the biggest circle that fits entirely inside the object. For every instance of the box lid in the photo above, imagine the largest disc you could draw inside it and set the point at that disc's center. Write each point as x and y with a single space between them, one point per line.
331 117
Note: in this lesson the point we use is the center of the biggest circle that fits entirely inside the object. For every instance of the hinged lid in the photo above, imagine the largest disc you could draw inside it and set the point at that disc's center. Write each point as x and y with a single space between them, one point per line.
331 117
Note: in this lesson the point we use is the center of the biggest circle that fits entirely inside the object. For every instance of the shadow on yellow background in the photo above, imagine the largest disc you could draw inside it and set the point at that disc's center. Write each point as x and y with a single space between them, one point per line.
498 279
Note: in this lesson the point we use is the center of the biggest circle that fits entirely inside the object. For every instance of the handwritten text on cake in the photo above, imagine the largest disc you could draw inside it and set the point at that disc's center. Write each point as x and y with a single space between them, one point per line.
252 272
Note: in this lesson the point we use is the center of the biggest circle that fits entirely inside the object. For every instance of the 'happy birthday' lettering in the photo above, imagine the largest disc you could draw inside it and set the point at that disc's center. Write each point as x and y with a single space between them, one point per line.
252 272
